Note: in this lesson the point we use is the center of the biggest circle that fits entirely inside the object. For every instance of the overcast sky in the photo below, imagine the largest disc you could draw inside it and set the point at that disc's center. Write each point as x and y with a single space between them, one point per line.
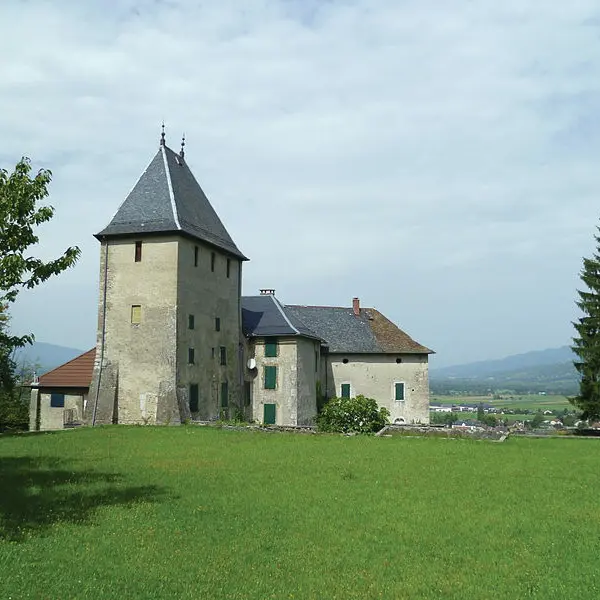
440 160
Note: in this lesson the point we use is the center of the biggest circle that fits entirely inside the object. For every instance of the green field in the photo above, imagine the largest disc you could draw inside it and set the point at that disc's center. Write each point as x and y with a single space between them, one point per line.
514 402
191 512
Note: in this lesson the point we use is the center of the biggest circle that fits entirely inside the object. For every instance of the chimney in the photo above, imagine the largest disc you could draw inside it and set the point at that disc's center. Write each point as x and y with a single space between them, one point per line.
356 306
267 292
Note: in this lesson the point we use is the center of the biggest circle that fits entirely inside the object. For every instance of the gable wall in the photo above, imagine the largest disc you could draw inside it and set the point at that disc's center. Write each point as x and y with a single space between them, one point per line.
374 375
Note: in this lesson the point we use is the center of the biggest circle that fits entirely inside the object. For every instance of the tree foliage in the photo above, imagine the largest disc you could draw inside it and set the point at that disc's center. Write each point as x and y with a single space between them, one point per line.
357 415
20 215
586 344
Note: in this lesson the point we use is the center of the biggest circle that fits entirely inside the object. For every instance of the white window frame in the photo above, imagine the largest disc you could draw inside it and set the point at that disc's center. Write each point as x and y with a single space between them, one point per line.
394 391
351 388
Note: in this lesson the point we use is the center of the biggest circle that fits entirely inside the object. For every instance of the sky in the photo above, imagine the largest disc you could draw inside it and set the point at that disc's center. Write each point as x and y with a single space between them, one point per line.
438 160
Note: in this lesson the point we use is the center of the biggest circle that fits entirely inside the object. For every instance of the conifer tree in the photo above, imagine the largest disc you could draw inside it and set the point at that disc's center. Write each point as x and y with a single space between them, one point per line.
587 343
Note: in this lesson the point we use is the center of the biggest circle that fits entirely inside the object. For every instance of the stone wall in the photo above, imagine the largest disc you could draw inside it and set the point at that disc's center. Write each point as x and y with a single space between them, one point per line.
374 376
209 294
53 418
138 360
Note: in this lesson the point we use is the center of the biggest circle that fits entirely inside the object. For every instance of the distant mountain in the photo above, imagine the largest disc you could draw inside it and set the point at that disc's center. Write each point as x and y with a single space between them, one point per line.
485 368
43 357
549 371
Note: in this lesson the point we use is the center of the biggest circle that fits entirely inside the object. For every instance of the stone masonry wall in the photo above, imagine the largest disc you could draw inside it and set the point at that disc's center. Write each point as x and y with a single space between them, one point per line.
374 375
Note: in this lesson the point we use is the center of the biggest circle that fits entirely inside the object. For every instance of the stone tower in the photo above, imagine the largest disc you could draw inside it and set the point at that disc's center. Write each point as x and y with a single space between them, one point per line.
169 343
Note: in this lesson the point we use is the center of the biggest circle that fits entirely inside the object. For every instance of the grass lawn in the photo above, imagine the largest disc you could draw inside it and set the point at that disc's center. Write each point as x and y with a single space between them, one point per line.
190 512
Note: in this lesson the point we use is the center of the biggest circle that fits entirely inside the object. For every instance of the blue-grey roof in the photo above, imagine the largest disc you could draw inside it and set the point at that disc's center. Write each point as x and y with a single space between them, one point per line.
168 199
342 330
264 316
345 332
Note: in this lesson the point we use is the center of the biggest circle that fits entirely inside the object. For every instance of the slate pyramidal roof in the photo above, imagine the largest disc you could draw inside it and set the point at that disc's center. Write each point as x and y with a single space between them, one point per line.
168 199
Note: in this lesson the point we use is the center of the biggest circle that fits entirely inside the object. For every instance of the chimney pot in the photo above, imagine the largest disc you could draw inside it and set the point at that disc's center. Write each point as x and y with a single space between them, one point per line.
356 306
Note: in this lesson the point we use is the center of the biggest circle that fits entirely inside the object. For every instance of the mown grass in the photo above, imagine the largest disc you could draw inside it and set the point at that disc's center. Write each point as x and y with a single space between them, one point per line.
192 512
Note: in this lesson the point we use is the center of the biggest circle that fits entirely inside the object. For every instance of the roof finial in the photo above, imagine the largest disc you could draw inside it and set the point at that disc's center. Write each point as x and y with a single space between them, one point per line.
162 135
182 152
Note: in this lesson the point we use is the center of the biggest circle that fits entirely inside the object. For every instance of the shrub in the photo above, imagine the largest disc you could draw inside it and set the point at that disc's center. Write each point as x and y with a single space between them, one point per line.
359 415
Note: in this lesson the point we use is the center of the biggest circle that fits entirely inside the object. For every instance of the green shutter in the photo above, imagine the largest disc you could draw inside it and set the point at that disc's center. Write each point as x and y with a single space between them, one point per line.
269 414
399 391
224 394
194 397
270 377
345 390
271 348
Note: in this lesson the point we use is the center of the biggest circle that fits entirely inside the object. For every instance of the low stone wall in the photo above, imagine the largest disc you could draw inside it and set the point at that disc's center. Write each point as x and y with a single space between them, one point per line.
489 434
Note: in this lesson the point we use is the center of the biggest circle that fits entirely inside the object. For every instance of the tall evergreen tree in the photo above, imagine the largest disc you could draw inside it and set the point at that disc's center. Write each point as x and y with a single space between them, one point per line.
587 343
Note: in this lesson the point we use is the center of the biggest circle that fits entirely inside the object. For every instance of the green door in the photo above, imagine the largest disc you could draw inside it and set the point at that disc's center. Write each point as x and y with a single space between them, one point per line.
269 414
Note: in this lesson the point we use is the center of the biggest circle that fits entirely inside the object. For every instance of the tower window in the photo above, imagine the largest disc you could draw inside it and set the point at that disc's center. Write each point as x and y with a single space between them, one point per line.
138 252
193 397
224 394
191 356
270 377
191 322
217 324
195 256
228 267
271 347
136 314
223 355
212 261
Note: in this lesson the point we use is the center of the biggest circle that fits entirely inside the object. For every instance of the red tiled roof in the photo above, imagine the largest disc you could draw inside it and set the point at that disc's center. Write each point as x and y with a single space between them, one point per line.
76 373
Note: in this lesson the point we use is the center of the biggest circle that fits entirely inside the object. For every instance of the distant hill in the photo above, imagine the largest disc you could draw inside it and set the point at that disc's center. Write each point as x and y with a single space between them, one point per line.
548 370
44 357
485 368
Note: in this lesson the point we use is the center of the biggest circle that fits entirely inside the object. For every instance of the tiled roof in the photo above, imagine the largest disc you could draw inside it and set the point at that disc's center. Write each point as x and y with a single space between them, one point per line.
266 316
168 199
344 332
76 373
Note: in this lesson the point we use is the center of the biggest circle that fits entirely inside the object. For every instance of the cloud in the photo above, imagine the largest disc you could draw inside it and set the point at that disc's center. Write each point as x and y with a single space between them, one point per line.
436 159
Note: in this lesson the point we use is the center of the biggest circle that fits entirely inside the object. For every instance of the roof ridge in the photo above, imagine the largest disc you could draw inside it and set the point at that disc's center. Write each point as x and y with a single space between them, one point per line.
170 186
280 308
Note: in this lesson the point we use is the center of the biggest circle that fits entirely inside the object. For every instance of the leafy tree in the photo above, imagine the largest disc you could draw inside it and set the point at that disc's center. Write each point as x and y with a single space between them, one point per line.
587 343
19 216
359 415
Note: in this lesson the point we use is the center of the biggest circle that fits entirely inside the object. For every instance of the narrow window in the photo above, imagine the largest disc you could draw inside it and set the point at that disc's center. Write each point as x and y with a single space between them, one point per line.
228 267
345 390
57 400
223 355
213 351
247 393
217 324
224 394
191 356
193 397
212 261
136 314
270 377
271 347
191 322
195 256
399 391
138 252
317 361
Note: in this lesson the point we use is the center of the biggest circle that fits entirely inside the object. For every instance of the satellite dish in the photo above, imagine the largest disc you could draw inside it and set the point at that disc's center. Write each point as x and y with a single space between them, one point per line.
251 363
